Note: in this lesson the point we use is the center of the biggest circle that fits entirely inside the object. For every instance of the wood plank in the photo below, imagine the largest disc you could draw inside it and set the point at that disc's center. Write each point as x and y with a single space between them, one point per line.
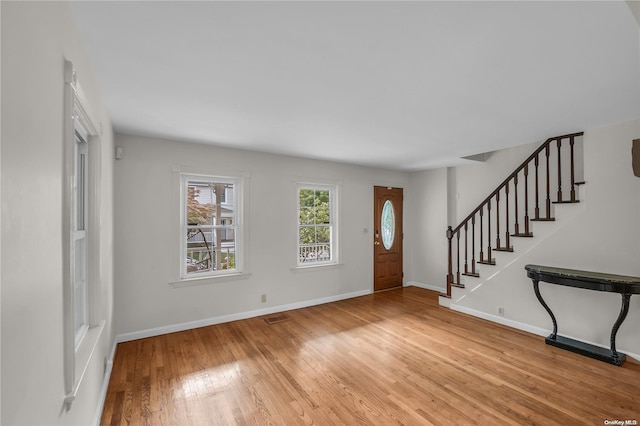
394 357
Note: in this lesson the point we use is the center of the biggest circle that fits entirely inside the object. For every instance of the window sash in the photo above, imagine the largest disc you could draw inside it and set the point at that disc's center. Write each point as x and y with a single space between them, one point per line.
81 244
199 257
312 250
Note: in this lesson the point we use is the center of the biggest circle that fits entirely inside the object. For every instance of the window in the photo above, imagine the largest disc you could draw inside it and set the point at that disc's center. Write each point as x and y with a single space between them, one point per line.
317 235
81 256
210 226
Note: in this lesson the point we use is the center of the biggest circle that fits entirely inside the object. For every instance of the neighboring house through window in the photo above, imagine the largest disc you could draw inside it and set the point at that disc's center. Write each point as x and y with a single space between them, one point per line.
209 226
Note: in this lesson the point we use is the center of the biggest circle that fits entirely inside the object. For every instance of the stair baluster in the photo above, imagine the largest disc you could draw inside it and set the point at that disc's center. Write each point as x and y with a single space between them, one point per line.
498 220
481 239
458 262
466 266
559 171
548 184
449 271
473 244
489 231
536 212
507 235
573 176
516 225
526 200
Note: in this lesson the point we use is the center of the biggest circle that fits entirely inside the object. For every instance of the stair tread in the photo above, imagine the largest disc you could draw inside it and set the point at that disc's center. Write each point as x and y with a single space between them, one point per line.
459 285
487 262
470 274
509 249
543 219
522 234
565 202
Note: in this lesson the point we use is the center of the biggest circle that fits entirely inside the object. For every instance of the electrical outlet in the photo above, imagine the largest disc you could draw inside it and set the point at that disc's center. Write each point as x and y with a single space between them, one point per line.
501 311
263 298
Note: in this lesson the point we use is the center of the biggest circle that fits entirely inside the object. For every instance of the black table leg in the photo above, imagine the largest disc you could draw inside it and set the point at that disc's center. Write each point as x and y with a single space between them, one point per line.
544 305
619 358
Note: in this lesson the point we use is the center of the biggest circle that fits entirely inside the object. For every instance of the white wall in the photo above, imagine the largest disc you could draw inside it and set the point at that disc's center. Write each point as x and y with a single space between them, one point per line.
427 225
601 233
443 197
0 219
474 182
36 39
145 216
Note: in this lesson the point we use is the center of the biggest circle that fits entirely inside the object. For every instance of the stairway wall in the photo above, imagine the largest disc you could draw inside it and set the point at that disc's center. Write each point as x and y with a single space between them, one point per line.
476 180
600 233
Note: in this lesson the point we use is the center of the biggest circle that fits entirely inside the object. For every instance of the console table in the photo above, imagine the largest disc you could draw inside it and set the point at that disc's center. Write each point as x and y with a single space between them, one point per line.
624 285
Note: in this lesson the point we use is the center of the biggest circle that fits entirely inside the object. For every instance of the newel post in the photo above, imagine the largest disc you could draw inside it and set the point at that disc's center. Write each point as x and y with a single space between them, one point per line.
450 267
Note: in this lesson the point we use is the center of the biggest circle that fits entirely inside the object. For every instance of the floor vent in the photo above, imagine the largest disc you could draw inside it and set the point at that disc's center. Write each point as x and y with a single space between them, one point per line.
276 320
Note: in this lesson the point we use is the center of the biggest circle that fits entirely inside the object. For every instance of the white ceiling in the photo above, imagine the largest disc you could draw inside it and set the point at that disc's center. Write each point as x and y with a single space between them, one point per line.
402 85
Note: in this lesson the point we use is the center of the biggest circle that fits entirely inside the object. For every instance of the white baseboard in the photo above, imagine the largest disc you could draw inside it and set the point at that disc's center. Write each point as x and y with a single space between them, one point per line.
126 337
105 385
501 320
444 301
426 286
527 327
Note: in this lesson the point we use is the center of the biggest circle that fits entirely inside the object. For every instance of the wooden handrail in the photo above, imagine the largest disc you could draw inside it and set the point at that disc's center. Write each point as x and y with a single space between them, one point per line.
512 175
534 157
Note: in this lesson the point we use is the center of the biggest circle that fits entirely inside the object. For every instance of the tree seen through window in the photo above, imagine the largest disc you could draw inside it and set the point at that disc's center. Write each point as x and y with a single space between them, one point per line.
314 225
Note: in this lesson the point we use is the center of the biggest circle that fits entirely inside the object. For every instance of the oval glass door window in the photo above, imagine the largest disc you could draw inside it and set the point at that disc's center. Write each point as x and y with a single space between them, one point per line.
388 224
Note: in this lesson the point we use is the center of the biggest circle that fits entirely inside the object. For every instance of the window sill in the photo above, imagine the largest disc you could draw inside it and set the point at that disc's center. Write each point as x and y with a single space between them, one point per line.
309 268
211 279
83 357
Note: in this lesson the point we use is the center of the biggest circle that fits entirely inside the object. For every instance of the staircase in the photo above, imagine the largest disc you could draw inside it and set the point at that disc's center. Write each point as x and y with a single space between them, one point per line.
504 216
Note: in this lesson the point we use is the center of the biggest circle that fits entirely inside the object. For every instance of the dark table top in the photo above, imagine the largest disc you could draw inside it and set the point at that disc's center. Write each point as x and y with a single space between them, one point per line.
585 279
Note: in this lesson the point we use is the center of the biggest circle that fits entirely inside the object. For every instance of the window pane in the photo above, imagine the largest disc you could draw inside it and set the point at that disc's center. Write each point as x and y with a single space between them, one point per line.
200 210
315 253
307 215
323 215
81 192
210 249
80 289
307 235
321 197
323 234
388 224
307 197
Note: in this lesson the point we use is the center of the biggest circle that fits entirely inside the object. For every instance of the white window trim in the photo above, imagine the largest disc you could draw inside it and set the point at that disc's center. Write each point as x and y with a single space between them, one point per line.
77 355
242 271
334 204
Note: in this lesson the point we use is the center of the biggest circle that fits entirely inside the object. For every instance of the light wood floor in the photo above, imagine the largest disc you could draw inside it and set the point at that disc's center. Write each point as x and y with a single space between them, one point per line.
390 358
